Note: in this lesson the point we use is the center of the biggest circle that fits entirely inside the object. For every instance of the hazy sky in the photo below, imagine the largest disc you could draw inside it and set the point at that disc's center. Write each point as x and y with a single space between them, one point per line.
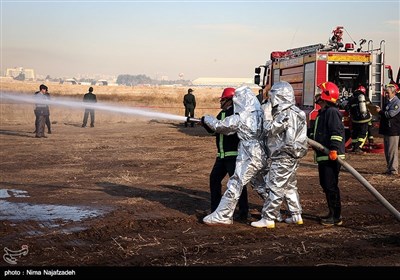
166 38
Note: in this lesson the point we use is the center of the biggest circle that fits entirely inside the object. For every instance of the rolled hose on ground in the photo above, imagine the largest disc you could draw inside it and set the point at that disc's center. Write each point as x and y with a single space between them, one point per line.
360 178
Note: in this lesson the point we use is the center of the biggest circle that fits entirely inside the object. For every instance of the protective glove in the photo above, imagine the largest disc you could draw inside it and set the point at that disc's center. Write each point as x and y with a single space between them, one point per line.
202 120
333 155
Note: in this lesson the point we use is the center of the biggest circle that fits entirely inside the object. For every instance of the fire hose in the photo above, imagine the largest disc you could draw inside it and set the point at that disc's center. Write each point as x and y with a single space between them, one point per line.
349 168
360 178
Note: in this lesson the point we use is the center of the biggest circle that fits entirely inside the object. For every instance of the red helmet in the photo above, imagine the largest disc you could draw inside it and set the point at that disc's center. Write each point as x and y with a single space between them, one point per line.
328 91
228 93
362 89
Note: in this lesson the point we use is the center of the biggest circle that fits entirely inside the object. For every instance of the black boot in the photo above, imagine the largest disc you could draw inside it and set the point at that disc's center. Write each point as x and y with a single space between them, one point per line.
356 147
328 220
330 214
335 210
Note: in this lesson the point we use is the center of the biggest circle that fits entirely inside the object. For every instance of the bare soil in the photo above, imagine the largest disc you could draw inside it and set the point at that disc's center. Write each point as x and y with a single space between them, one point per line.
133 194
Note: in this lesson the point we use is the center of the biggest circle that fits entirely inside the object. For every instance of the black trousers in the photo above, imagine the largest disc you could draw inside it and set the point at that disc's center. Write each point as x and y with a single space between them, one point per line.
329 181
86 116
47 120
221 168
360 131
189 112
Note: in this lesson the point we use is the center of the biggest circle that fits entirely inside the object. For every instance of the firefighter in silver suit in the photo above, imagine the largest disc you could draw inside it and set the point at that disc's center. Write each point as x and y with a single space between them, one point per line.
286 139
247 122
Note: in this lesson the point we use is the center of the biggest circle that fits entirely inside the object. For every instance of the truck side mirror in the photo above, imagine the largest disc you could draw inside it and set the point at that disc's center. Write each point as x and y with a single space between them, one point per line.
257 79
257 70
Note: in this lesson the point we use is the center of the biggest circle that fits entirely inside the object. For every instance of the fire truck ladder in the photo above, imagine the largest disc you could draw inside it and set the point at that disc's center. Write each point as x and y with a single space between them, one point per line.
376 75
305 50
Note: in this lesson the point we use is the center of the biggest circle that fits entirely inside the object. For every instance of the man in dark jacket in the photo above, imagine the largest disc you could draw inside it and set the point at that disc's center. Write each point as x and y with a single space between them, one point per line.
91 98
390 129
227 146
37 112
41 111
189 101
329 132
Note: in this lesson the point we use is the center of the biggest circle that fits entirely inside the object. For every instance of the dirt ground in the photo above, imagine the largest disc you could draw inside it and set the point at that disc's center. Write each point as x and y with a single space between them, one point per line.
133 194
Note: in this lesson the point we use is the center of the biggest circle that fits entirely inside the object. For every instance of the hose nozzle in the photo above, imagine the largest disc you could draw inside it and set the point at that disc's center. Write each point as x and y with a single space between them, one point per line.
193 120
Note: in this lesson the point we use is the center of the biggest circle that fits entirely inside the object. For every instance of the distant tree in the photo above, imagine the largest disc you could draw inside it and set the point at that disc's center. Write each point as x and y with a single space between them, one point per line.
87 80
133 80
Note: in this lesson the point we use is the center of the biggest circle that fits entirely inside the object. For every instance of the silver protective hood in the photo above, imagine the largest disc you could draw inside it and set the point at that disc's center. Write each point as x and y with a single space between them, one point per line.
247 119
287 132
281 96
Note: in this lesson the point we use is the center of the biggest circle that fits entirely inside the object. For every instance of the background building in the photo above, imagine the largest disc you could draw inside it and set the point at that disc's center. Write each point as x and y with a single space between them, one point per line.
21 73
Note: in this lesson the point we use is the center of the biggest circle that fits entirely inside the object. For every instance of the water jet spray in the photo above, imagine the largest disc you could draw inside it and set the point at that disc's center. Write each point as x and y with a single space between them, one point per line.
67 102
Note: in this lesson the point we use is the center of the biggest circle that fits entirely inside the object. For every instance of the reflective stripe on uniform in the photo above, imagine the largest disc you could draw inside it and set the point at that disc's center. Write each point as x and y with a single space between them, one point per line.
324 158
221 140
337 138
222 153
227 154
362 121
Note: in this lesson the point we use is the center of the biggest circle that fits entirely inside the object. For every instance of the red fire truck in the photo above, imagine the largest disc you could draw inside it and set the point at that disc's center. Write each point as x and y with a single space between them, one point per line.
306 67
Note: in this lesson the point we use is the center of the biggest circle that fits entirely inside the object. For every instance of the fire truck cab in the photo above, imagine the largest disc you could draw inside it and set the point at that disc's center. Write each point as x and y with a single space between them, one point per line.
306 67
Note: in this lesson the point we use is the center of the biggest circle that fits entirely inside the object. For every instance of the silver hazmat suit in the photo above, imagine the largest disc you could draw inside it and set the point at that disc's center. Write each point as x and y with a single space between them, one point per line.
247 121
258 181
286 137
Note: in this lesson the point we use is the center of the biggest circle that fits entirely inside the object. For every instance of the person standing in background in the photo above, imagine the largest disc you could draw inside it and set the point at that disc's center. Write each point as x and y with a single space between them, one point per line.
189 101
48 123
90 98
41 111
390 129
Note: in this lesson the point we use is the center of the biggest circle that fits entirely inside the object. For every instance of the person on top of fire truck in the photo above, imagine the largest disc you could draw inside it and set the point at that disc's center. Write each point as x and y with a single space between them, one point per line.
329 132
247 122
360 118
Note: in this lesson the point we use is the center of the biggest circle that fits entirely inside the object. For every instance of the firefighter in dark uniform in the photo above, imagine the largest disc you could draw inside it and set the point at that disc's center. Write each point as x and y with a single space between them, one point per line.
360 118
189 101
90 98
329 132
227 146
41 111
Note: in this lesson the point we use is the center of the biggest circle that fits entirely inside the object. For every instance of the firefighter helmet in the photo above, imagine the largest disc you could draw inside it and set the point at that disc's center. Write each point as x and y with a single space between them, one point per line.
362 89
228 93
328 91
